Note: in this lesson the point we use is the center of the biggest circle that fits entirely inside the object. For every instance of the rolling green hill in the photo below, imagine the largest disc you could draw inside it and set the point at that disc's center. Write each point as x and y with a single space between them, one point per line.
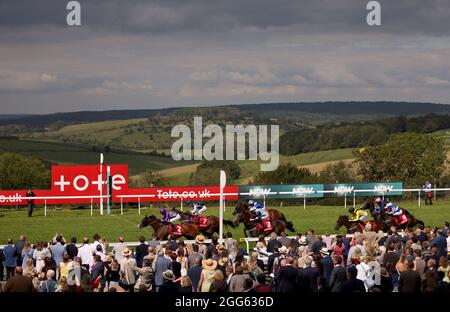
59 153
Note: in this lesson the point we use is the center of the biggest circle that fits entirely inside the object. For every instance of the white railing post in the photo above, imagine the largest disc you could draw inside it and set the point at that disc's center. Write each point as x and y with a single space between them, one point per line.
345 200
419 198
121 205
139 205
92 207
354 199
181 204
45 208
304 201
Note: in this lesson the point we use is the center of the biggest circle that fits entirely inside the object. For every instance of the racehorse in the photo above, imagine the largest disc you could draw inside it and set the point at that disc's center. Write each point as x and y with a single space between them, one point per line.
352 226
163 231
273 215
388 220
211 228
243 215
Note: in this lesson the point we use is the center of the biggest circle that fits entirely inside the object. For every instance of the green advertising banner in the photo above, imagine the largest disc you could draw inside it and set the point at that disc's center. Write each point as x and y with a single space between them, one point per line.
363 189
281 191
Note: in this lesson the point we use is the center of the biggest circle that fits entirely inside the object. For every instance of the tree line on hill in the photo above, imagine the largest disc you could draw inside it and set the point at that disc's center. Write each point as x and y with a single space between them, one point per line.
358 134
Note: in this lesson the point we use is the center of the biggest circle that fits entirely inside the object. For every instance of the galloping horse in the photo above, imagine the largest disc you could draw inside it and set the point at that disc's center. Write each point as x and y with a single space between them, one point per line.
213 223
243 215
388 220
273 215
352 226
162 231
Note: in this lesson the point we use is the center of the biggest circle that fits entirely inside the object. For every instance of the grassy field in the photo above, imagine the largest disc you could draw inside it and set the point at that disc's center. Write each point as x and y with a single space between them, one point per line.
79 222
73 154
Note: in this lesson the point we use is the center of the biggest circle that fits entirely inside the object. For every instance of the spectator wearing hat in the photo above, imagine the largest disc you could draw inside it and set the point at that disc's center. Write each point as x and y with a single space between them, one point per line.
207 275
127 270
200 240
352 284
327 264
169 285
338 275
222 264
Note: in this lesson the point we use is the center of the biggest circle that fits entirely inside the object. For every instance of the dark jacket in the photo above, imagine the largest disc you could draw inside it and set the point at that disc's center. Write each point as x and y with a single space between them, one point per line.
338 276
72 251
353 285
170 287
10 254
327 264
310 275
194 274
286 279
410 281
219 287
141 252
19 283
96 271
271 244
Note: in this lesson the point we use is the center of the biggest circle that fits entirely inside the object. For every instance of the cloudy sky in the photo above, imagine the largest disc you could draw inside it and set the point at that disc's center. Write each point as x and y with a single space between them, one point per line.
152 54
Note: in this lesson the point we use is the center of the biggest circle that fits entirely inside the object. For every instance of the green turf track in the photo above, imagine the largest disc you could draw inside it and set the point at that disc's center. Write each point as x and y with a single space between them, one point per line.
79 222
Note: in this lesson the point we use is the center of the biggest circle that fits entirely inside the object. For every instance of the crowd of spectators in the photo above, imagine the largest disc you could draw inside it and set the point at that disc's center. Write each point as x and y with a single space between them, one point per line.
414 261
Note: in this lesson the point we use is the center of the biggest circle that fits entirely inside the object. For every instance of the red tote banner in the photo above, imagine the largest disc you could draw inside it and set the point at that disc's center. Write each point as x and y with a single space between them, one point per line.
90 180
161 194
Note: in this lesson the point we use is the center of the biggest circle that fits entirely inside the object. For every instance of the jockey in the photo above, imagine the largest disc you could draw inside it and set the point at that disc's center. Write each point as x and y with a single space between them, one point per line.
394 211
169 216
379 205
198 208
358 215
254 205
261 216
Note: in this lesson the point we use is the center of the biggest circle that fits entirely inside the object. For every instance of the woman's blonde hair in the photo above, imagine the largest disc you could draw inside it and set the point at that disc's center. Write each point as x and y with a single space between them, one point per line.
185 282
218 276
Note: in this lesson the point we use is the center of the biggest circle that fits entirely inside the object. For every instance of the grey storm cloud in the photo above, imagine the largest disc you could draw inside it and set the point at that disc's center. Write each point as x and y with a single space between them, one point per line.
167 16
159 53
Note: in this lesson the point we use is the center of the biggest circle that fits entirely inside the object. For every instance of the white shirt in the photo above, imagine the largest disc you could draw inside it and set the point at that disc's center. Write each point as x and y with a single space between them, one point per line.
94 246
448 244
85 253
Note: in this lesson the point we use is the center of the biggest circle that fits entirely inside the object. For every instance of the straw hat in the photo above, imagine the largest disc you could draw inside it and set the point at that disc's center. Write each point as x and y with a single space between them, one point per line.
303 241
209 264
324 251
223 261
126 252
283 250
200 239
220 247
168 275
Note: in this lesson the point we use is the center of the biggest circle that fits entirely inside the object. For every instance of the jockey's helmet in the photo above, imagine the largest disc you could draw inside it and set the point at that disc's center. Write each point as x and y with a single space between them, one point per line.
251 202
162 211
351 209
378 200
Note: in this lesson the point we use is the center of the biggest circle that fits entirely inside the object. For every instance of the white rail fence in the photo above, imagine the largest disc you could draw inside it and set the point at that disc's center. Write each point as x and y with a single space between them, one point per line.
94 200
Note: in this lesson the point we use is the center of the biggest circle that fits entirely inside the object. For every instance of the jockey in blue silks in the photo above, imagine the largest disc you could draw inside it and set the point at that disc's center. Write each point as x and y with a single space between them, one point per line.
260 211
393 210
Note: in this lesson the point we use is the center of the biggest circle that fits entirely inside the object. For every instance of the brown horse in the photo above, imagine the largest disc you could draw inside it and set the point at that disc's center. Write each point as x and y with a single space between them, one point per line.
386 221
162 231
243 215
273 215
352 226
213 223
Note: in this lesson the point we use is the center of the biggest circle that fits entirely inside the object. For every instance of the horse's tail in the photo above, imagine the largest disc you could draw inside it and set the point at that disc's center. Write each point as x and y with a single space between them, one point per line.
290 226
229 223
420 222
